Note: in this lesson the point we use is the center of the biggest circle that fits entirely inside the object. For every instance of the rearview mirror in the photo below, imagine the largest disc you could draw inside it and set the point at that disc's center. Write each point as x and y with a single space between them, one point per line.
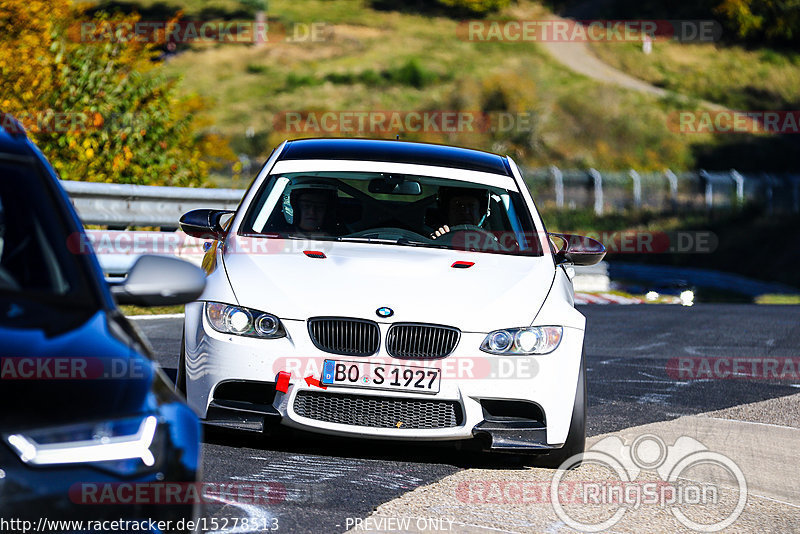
205 223
160 281
578 250
394 184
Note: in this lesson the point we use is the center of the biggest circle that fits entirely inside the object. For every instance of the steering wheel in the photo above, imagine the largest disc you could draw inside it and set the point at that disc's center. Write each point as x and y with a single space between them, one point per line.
464 228
469 228
486 241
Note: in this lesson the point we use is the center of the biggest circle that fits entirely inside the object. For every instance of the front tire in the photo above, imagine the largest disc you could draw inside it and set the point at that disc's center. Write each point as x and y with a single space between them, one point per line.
576 438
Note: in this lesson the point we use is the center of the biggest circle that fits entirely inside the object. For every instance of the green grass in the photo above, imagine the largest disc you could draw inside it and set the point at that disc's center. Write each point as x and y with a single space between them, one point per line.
778 299
155 310
411 74
393 61
225 9
733 76
372 59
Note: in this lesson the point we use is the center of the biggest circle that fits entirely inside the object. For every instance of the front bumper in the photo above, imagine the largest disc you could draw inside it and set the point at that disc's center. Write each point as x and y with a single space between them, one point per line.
471 379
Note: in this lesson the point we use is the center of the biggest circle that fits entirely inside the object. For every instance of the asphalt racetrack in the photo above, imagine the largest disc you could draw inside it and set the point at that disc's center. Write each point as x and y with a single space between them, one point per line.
633 355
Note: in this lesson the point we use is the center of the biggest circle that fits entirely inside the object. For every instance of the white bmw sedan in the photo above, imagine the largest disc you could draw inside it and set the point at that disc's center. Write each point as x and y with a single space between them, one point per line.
389 290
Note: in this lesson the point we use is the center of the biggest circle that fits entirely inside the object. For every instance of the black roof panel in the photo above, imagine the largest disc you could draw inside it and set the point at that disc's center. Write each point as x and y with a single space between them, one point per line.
396 152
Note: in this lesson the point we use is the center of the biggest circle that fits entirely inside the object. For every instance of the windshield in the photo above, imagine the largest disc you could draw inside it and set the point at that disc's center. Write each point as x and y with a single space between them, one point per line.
395 209
37 269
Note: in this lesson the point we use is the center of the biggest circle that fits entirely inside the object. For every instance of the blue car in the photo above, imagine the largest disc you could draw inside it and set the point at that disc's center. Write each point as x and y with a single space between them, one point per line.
87 417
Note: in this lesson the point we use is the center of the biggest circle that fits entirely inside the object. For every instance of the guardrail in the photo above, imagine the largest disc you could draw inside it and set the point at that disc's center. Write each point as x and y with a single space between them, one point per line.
125 205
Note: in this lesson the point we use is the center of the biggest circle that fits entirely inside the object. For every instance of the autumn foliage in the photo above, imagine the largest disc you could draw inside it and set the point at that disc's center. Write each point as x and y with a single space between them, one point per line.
774 21
100 110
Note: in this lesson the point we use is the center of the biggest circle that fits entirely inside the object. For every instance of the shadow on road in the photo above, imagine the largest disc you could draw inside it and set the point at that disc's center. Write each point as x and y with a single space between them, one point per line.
283 439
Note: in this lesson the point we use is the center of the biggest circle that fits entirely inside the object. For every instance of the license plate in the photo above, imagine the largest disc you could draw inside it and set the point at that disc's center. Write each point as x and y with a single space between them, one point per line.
380 376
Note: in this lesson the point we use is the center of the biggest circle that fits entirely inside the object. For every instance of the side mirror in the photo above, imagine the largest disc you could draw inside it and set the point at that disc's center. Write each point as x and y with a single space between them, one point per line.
160 281
578 250
205 223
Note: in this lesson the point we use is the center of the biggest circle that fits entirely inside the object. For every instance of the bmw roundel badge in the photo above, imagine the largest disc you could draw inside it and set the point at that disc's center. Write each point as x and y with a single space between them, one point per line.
384 312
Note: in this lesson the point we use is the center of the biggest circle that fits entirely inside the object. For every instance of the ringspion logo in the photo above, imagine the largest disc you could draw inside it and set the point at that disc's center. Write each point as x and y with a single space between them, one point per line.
601 503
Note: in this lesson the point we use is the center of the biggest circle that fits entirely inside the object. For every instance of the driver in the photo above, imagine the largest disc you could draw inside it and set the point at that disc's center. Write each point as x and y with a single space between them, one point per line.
314 209
461 206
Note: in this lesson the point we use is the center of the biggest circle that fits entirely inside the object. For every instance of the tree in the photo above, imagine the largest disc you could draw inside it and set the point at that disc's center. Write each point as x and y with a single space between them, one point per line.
96 100
775 21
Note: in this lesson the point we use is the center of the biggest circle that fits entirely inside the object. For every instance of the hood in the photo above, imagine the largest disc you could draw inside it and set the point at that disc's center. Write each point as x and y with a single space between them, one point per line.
417 283
83 373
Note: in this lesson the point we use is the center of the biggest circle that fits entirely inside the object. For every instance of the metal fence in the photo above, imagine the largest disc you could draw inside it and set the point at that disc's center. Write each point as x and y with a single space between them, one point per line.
608 191
125 206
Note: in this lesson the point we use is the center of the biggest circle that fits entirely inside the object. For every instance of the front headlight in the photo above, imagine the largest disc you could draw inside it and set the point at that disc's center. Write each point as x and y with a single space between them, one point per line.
530 340
124 446
243 321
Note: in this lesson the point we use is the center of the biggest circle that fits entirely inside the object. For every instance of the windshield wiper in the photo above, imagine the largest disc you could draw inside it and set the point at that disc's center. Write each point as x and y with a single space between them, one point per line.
402 241
367 240
414 243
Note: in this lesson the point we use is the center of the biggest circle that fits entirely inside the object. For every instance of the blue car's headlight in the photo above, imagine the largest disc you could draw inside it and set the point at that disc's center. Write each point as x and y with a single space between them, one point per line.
243 321
530 340
124 446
